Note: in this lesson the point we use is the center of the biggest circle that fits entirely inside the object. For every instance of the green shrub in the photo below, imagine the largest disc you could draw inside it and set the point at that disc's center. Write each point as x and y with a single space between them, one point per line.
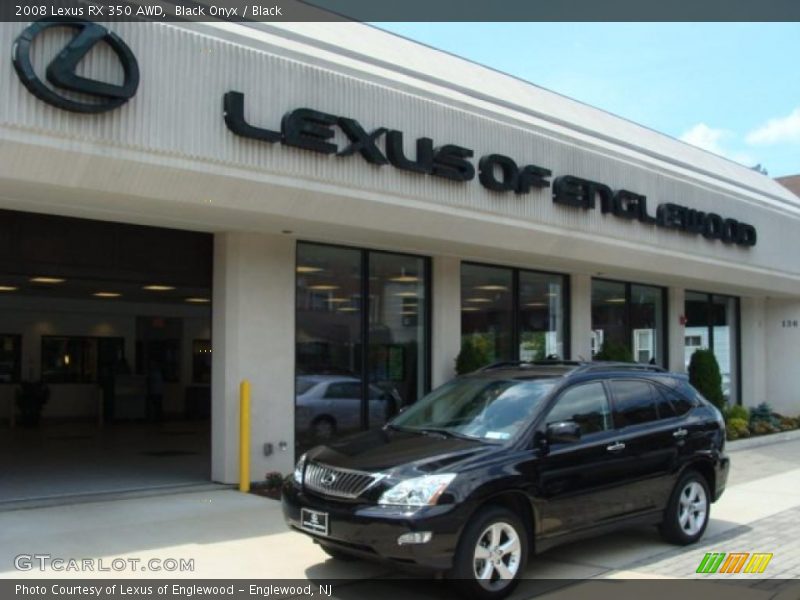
737 412
471 358
787 423
763 414
614 352
273 480
763 428
737 428
705 376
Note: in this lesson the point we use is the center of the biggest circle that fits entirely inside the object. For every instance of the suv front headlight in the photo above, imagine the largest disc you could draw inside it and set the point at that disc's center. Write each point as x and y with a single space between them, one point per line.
298 470
418 491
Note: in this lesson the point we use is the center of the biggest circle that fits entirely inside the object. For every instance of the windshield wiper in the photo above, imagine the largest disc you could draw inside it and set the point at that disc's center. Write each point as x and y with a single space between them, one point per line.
445 432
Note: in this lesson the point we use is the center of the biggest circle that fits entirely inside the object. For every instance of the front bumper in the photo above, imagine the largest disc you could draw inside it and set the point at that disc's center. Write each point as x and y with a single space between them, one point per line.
370 531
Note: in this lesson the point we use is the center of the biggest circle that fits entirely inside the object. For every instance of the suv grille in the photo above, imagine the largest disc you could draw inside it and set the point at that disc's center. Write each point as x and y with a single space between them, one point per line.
341 483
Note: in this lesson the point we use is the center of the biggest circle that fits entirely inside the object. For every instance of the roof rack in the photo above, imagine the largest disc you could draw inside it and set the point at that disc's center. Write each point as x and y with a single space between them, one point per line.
621 366
582 366
555 362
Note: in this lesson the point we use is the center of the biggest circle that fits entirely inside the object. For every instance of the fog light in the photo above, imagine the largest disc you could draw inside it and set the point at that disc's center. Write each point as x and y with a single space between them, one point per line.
415 537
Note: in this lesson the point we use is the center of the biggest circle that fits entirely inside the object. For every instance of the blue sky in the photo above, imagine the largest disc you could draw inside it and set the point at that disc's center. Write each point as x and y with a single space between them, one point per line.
731 88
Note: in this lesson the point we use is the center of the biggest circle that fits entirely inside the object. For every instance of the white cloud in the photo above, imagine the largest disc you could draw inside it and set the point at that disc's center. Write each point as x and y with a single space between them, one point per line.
780 129
708 138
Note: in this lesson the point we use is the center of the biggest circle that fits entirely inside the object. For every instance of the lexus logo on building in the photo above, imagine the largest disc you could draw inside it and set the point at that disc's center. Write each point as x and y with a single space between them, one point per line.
62 74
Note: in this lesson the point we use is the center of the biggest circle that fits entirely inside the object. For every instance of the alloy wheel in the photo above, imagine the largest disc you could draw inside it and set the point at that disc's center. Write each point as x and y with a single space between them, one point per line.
497 556
692 508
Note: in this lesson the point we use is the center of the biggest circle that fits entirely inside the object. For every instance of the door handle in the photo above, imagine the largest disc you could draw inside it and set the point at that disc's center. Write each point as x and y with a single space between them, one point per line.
616 447
679 433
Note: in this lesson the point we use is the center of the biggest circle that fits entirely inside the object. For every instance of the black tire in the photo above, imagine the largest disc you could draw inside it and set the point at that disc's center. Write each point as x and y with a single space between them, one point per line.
337 554
464 574
686 518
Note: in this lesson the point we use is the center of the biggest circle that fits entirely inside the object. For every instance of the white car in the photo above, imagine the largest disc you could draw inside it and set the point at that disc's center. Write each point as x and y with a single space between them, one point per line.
327 404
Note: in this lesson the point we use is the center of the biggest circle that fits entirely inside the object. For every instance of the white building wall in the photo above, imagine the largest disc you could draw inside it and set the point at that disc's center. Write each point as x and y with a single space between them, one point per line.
446 324
581 317
676 297
754 351
253 328
782 356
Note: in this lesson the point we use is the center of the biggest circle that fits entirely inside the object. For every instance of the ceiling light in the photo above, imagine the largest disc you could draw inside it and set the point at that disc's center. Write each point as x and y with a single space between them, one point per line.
616 300
107 294
536 304
198 300
406 294
308 269
337 300
492 288
8 288
323 287
47 280
409 313
155 287
479 300
470 309
404 277
347 309
551 294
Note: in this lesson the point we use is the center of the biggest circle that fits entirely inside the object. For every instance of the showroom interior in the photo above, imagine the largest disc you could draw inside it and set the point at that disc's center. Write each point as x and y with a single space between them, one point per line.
105 356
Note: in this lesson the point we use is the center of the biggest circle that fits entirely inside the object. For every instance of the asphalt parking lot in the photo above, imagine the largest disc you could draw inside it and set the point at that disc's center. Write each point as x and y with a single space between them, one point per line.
232 535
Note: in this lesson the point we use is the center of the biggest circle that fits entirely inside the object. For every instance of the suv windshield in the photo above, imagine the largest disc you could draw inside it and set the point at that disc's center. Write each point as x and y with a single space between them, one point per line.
487 409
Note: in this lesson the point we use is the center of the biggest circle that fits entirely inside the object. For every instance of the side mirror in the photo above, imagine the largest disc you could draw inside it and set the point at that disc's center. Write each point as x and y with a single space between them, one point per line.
563 432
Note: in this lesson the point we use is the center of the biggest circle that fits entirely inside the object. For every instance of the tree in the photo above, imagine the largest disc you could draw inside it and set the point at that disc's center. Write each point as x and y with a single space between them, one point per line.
471 358
705 376
614 352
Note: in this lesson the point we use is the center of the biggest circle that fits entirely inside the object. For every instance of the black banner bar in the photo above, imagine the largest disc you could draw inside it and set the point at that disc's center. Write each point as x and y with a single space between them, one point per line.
405 10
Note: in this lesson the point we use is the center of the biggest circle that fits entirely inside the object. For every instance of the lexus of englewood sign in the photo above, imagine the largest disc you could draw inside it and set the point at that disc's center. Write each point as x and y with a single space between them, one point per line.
313 130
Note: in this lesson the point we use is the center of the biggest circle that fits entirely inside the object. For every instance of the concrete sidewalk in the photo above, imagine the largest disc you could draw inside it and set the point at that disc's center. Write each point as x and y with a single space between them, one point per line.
233 535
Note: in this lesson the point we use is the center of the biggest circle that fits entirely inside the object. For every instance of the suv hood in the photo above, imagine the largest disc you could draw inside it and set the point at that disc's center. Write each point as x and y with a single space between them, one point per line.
389 450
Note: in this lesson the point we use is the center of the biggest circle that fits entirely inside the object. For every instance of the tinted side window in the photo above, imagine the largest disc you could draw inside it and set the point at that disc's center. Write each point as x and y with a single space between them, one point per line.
344 390
666 409
586 404
634 403
679 404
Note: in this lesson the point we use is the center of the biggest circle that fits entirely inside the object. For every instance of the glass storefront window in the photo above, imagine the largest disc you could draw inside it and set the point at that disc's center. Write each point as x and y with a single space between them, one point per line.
647 324
609 316
711 323
541 316
397 325
628 322
487 309
724 335
334 325
513 314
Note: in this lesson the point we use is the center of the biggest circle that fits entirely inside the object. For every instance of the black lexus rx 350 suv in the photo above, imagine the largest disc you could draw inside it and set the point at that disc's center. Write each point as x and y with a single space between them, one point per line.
514 459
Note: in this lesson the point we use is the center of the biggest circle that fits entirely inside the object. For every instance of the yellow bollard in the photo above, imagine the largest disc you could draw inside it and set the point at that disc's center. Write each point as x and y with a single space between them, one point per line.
244 436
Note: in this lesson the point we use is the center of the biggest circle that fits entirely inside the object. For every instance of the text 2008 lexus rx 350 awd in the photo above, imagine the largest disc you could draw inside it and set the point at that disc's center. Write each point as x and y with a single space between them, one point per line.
511 460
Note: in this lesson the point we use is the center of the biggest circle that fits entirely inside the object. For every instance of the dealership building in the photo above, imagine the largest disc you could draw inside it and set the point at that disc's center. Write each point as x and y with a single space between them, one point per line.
330 211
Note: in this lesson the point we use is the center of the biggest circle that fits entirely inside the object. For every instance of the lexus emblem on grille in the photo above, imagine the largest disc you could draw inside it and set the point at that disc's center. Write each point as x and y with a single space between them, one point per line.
62 73
328 479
